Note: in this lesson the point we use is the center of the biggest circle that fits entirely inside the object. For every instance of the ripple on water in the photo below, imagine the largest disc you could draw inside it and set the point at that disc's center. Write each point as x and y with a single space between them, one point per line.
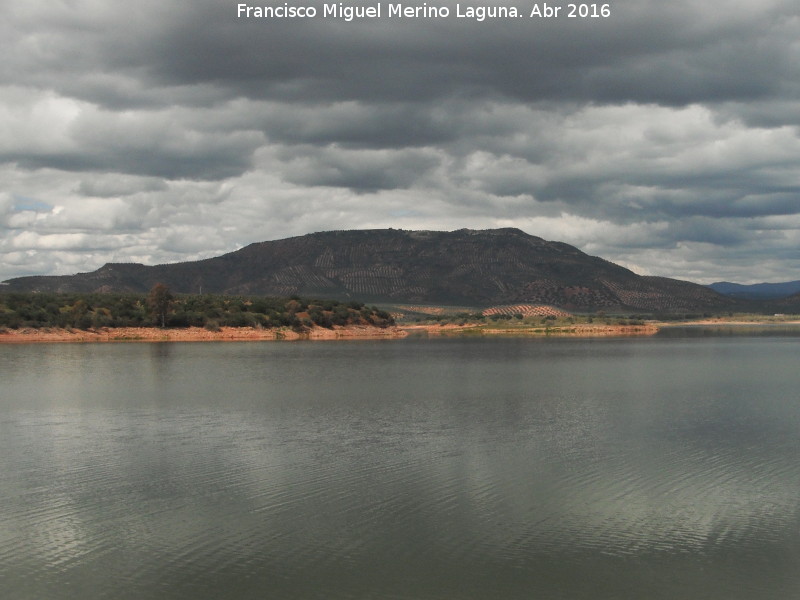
542 488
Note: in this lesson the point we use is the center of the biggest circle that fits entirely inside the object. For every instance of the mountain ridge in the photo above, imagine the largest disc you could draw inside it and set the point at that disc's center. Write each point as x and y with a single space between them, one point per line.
462 267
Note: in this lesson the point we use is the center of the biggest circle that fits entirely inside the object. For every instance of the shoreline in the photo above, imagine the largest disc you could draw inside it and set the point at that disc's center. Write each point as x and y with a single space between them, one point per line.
354 332
729 322
572 330
193 334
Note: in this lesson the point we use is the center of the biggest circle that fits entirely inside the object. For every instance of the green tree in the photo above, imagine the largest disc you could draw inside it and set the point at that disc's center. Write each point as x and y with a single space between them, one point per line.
159 300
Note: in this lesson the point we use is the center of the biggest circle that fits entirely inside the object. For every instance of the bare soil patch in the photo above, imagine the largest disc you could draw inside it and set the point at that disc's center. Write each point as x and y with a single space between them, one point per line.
194 334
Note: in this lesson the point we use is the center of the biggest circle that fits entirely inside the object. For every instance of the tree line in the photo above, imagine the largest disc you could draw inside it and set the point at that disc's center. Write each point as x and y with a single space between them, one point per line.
161 308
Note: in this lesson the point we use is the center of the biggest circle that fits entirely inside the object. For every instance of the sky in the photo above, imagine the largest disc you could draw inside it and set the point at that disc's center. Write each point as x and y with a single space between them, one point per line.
664 137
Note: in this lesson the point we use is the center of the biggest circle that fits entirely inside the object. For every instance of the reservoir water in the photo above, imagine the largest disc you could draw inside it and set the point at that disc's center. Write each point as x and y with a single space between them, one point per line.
418 469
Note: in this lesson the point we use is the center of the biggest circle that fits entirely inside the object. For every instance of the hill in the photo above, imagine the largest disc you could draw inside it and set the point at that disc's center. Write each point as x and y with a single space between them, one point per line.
789 304
465 267
757 291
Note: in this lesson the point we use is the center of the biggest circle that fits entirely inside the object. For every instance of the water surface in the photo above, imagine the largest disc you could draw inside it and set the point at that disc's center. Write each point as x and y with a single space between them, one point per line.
413 469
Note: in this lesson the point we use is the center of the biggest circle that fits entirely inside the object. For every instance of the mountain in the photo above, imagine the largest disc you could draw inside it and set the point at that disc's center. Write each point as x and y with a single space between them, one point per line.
757 291
465 267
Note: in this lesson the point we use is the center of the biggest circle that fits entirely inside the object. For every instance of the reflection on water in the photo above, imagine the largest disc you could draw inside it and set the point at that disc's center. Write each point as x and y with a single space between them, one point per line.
416 469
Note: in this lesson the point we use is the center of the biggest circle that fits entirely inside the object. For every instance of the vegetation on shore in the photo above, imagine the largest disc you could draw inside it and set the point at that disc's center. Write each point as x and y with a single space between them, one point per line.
160 308
499 320
461 317
233 316
507 321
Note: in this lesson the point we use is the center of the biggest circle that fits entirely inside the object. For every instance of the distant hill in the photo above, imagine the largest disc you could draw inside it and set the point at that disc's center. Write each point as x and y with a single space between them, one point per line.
788 304
757 291
465 267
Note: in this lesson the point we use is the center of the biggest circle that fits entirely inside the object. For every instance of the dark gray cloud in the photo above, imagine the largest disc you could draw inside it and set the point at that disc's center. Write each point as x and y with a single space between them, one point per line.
664 137
669 53
648 51
357 170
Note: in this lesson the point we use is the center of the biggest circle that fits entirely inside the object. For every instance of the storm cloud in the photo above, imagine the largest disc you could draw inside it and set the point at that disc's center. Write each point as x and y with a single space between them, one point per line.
664 137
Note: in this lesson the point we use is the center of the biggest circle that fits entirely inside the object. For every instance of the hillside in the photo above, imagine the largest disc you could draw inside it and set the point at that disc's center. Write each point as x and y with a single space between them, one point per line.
789 304
465 267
